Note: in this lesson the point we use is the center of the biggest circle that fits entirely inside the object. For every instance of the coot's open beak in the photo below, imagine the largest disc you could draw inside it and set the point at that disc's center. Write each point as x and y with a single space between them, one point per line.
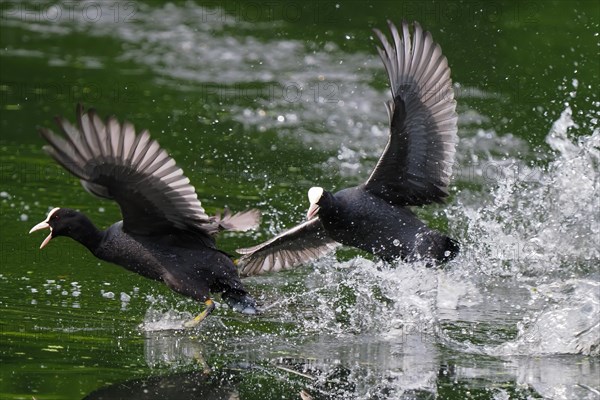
43 225
312 211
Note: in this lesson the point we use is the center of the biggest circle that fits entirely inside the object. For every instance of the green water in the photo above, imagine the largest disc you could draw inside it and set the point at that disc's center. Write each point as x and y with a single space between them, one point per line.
245 97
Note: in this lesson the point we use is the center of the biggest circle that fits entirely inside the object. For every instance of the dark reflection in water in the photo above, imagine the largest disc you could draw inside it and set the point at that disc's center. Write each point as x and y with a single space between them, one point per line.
330 368
184 385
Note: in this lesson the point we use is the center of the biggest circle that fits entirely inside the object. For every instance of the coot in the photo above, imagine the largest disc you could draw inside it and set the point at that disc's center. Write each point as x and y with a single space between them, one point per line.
414 170
165 233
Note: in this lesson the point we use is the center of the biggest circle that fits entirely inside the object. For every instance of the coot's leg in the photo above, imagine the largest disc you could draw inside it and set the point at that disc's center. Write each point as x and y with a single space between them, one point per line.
197 289
210 306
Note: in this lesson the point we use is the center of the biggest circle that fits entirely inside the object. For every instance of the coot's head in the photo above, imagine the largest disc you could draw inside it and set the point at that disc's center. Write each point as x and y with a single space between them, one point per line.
319 200
61 222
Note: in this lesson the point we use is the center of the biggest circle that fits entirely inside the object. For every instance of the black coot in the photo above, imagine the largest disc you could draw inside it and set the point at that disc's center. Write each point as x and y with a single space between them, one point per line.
414 170
165 233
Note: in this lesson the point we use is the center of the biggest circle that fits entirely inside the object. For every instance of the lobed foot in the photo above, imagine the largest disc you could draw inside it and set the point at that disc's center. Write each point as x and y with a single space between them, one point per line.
210 306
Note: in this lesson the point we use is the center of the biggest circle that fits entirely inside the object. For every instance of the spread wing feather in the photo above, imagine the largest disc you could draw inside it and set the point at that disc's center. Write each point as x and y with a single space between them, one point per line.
416 165
115 162
298 245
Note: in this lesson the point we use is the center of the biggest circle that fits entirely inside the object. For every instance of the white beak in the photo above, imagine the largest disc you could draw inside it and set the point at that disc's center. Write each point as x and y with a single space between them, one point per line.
45 225
312 211
40 226
314 195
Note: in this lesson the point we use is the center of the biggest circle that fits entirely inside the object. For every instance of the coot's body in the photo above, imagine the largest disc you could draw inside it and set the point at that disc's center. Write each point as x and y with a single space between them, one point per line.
165 233
186 266
382 229
413 170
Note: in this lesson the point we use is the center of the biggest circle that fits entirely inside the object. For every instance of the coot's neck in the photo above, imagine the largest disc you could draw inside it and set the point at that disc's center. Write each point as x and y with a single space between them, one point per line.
330 207
86 233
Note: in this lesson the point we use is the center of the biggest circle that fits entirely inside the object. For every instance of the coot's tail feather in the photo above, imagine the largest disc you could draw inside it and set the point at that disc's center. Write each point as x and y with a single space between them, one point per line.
240 222
433 246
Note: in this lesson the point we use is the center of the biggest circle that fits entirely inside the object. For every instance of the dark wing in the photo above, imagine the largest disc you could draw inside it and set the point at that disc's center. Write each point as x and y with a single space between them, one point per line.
114 162
416 165
301 244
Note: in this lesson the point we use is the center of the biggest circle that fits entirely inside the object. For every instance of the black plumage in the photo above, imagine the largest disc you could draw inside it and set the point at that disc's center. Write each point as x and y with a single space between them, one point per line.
414 169
165 233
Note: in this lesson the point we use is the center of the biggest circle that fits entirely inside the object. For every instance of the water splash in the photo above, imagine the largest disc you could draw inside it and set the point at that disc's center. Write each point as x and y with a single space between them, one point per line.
566 324
172 349
361 295
536 219
156 320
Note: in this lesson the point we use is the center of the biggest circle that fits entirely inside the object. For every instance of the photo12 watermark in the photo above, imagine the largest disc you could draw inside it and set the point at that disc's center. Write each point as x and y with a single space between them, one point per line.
289 92
311 11
69 11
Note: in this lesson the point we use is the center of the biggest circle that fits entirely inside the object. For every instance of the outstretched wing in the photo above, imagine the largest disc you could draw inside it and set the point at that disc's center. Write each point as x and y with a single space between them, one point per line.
301 244
114 162
416 165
